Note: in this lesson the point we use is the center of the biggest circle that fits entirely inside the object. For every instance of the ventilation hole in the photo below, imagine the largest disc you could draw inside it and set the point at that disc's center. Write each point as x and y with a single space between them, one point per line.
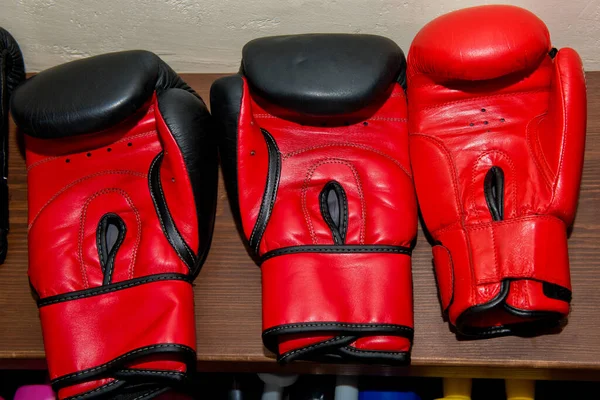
112 234
109 149
334 209
365 123
493 189
67 161
252 153
129 144
502 120
485 122
333 206
483 110
488 130
173 180
89 154
471 124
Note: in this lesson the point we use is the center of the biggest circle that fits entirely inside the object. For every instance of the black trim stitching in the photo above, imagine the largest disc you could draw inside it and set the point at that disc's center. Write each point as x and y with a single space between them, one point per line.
556 292
531 314
107 258
338 231
354 349
493 188
80 294
542 323
84 375
269 336
150 372
543 319
268 200
338 326
314 348
462 328
108 388
350 333
336 249
377 356
166 221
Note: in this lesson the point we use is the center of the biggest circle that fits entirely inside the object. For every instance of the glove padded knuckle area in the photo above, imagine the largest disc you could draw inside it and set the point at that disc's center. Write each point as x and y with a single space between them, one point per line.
90 95
479 43
322 74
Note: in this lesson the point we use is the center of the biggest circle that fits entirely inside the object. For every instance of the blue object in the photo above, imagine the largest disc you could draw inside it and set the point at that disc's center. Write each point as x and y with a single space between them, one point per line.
379 395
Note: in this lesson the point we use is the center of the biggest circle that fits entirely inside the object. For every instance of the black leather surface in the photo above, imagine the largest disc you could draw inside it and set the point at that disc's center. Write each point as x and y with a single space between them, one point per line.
12 72
225 102
92 94
322 74
12 60
192 127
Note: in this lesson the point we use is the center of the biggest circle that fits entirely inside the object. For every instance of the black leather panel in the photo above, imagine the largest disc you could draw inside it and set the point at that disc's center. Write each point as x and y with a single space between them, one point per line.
192 127
270 193
92 94
322 74
12 72
225 102
13 66
167 223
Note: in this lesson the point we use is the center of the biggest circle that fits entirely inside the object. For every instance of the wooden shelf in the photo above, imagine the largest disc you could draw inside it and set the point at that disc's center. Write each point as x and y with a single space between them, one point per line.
228 298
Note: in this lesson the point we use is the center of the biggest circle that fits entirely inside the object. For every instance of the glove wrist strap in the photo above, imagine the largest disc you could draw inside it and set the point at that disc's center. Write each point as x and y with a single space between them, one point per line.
103 334
336 298
480 264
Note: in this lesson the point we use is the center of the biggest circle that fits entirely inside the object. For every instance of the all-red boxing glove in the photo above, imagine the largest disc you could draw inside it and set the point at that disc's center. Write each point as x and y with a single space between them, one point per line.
497 122
121 174
314 150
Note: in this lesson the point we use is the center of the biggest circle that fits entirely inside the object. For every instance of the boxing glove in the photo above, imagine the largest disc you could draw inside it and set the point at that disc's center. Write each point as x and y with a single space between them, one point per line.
122 176
497 121
314 150
12 72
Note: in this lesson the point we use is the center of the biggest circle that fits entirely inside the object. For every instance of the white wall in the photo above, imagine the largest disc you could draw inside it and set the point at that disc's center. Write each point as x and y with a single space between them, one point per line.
207 36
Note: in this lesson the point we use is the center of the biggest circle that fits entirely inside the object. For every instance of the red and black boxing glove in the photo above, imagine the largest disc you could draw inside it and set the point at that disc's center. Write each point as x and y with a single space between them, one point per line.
314 150
122 178
497 121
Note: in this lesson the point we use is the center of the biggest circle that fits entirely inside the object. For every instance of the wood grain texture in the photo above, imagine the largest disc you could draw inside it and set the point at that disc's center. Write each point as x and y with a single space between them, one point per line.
228 298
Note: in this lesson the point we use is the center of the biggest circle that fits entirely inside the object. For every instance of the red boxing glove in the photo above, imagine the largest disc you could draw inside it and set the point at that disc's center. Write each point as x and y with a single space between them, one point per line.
122 178
314 151
497 131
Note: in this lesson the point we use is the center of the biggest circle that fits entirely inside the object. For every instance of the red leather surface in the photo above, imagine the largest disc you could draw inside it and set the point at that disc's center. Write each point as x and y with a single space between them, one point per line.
367 154
289 343
486 93
382 343
86 387
370 163
75 181
252 159
80 340
366 286
68 199
486 42
528 248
